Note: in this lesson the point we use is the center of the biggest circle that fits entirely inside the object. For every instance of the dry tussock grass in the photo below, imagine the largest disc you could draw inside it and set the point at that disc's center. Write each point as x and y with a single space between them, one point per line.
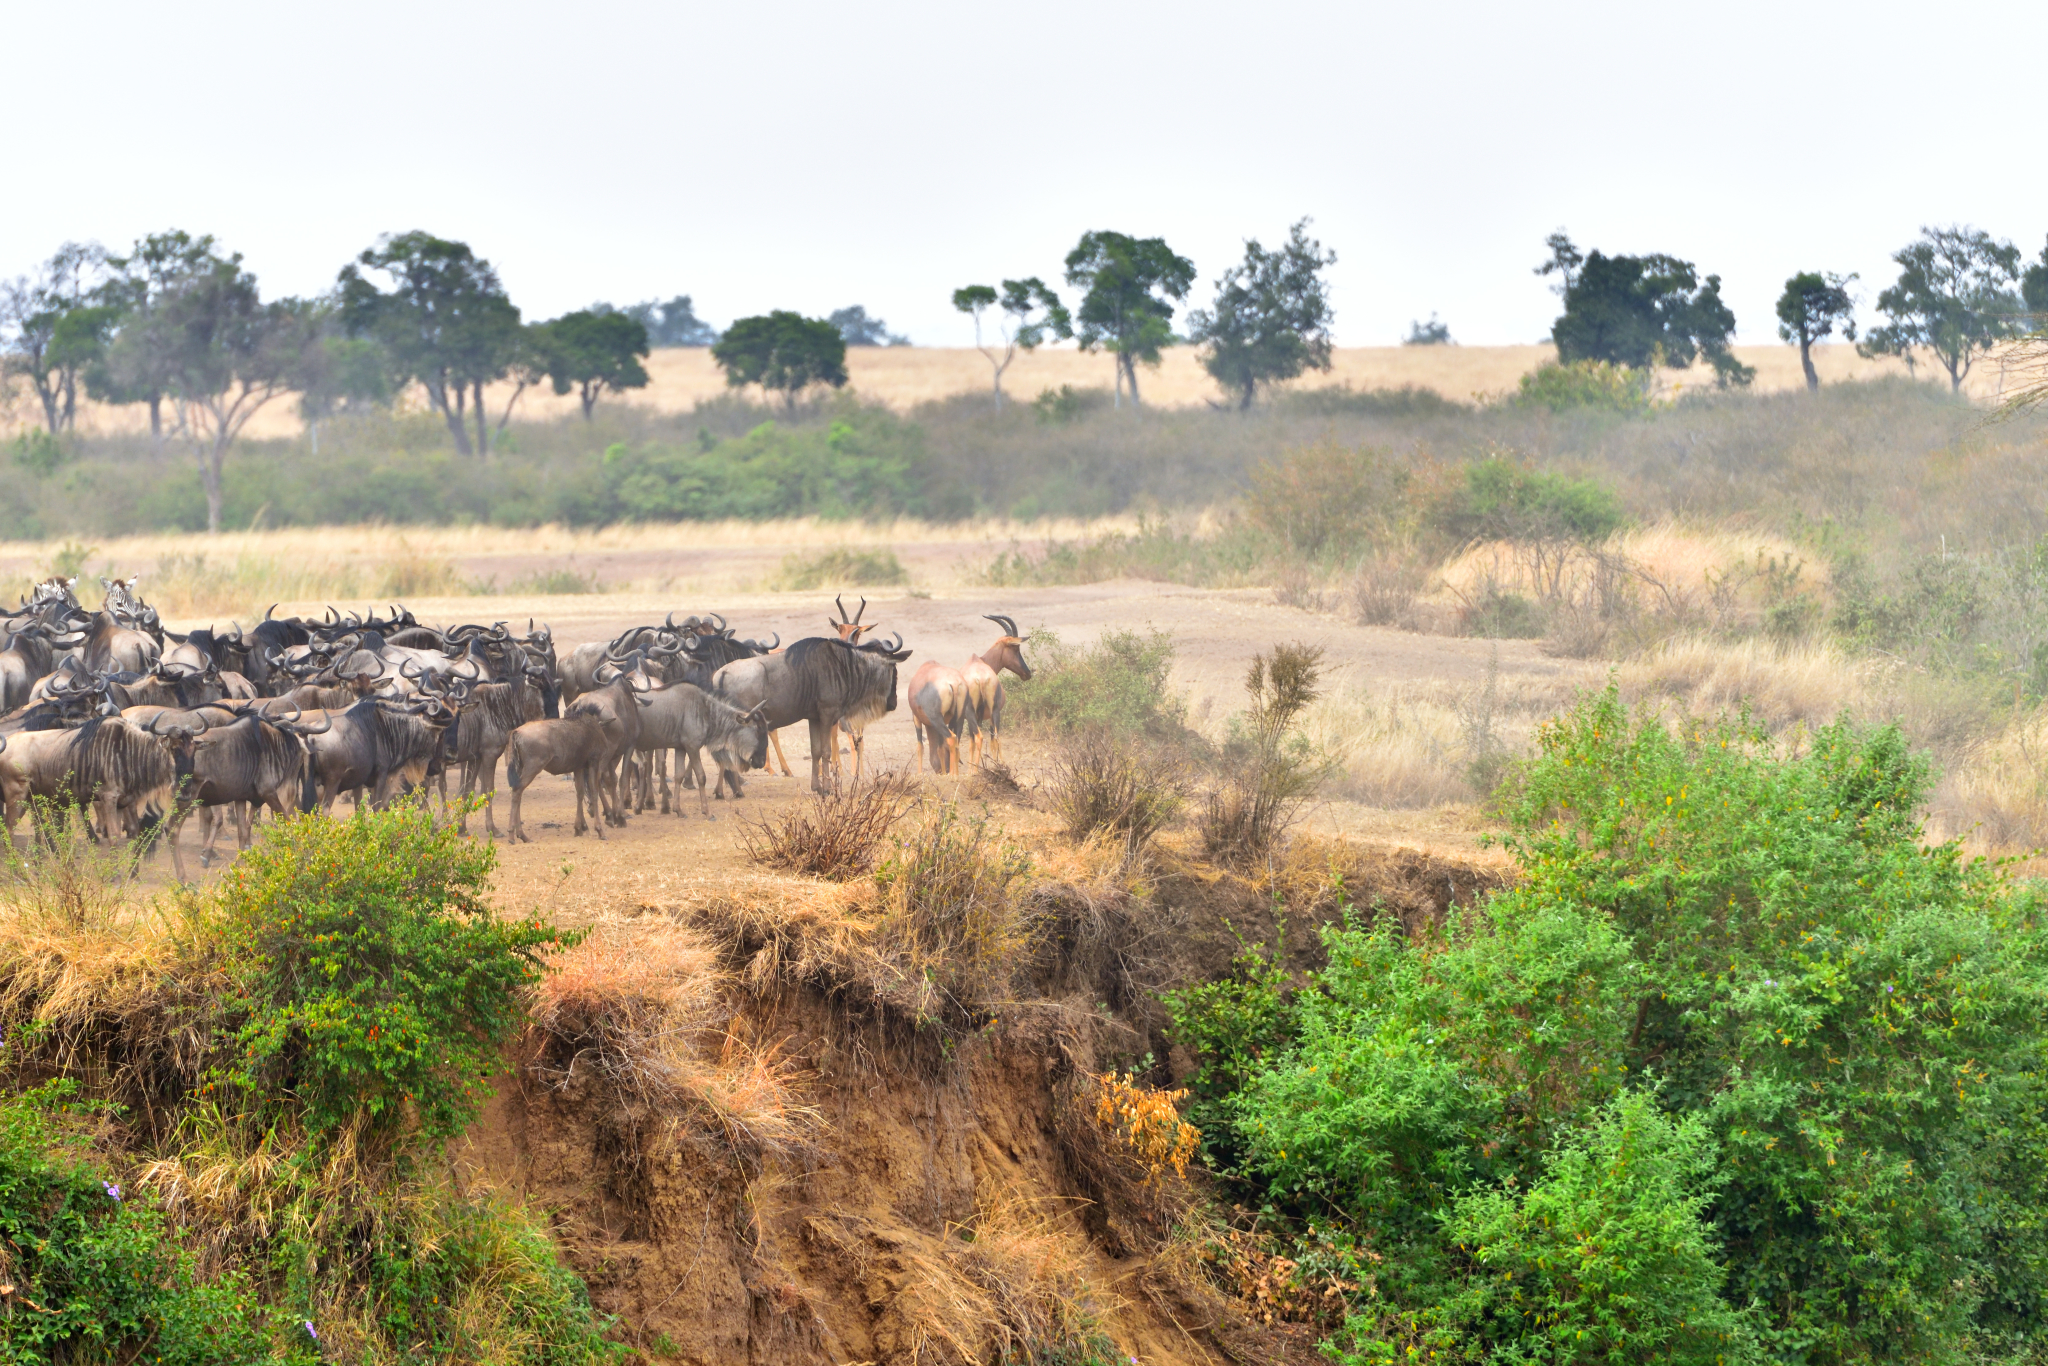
1784 685
836 834
639 1008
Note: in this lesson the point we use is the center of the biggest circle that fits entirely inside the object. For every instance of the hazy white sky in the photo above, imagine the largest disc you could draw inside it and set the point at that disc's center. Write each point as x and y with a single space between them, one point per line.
809 156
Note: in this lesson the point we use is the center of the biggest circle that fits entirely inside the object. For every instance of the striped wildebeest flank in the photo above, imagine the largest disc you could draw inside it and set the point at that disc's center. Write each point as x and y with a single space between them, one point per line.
689 719
820 680
249 761
101 765
983 678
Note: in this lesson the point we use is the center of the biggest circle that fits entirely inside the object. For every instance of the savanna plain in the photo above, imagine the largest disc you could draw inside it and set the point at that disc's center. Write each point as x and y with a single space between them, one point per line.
1403 775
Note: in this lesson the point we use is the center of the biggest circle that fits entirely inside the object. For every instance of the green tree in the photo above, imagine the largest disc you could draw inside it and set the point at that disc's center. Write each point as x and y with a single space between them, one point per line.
52 327
224 355
1271 319
338 373
674 323
131 368
782 352
1030 314
589 352
1810 308
2034 293
1126 309
1431 333
1640 311
445 322
859 329
1954 297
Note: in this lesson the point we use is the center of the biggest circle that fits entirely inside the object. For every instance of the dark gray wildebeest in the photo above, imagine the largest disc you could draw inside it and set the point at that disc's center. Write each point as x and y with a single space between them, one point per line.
30 657
820 681
574 744
375 746
517 688
110 647
611 702
253 761
688 719
983 679
106 766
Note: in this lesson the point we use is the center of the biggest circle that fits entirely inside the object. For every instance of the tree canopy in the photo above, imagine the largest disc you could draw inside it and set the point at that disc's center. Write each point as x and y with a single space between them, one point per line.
674 323
1031 313
859 329
1130 285
1954 297
782 352
1640 311
1811 307
1271 318
53 326
444 321
590 352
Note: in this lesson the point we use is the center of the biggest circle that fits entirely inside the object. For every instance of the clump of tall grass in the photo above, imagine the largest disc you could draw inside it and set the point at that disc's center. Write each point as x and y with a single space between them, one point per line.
834 835
1271 769
956 934
1101 784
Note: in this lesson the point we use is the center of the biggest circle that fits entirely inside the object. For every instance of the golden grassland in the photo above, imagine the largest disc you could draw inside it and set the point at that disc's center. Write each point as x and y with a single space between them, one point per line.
904 376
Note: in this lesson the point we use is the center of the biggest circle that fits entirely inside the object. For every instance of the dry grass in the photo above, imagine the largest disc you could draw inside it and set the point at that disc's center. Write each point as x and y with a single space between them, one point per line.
1786 685
1100 784
835 835
638 1008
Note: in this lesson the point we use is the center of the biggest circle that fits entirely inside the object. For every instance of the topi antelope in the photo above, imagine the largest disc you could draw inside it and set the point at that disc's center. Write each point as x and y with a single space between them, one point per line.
984 684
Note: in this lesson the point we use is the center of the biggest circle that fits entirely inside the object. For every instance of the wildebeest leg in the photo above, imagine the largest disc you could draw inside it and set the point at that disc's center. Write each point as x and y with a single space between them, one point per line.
517 830
173 824
775 739
661 776
490 791
209 831
242 823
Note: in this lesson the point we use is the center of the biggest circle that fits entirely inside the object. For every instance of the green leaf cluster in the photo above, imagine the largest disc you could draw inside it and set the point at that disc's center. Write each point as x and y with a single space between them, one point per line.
1740 1070
371 979
863 463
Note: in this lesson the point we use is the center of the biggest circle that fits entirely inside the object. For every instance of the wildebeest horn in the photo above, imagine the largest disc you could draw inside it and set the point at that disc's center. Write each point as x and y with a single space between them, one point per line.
406 670
270 612
721 621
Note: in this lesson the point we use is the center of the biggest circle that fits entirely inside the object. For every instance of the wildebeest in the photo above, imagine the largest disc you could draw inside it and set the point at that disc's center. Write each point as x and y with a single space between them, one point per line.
574 744
817 680
115 770
982 675
251 761
376 744
686 718
611 703
29 658
110 647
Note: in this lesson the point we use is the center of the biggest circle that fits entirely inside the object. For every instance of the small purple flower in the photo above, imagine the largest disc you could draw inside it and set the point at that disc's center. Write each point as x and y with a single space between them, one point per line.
309 1331
113 1191
1887 989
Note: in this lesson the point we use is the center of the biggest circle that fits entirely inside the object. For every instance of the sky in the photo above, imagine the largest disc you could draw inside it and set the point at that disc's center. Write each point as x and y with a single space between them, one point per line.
811 156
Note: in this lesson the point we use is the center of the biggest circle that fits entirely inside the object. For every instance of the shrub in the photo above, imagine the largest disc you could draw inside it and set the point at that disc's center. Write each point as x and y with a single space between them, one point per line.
950 920
1272 767
839 567
1328 497
94 1272
837 834
1591 384
1503 501
1102 784
1119 686
370 976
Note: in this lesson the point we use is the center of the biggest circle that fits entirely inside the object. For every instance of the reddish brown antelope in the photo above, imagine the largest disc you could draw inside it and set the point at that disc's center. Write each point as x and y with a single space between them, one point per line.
982 677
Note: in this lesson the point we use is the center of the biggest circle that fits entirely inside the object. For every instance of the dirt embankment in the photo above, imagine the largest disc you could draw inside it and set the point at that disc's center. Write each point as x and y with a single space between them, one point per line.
932 1205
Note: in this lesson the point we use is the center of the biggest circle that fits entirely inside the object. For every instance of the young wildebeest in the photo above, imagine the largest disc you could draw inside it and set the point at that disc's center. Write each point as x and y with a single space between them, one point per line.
940 708
819 681
575 745
685 718
611 704
982 676
253 761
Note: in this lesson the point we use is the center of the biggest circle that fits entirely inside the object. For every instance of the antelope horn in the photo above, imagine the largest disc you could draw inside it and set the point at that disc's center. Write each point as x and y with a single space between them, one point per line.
862 612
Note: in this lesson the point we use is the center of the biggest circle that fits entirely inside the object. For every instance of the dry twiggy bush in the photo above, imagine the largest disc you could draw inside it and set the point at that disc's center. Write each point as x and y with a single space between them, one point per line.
954 935
1272 769
1103 785
1127 1149
837 834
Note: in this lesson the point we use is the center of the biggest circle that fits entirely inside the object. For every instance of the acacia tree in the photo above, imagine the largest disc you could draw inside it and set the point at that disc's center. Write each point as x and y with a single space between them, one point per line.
1272 316
782 351
1030 313
226 354
445 322
859 329
1954 297
1130 284
2034 293
1810 308
1640 311
590 352
53 326
131 368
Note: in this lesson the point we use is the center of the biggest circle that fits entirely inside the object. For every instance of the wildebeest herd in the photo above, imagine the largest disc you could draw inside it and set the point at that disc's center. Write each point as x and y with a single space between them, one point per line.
139 727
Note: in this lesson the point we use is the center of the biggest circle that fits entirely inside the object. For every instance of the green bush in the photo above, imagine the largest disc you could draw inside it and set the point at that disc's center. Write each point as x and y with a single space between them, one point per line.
1120 685
1504 501
840 567
370 976
94 1272
1597 385
1849 1023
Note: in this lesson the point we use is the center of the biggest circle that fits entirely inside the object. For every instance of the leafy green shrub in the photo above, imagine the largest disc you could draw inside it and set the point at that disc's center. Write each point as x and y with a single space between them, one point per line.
840 567
1120 685
558 582
1848 1023
1592 384
1504 501
861 462
38 452
94 1272
370 976
1327 497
